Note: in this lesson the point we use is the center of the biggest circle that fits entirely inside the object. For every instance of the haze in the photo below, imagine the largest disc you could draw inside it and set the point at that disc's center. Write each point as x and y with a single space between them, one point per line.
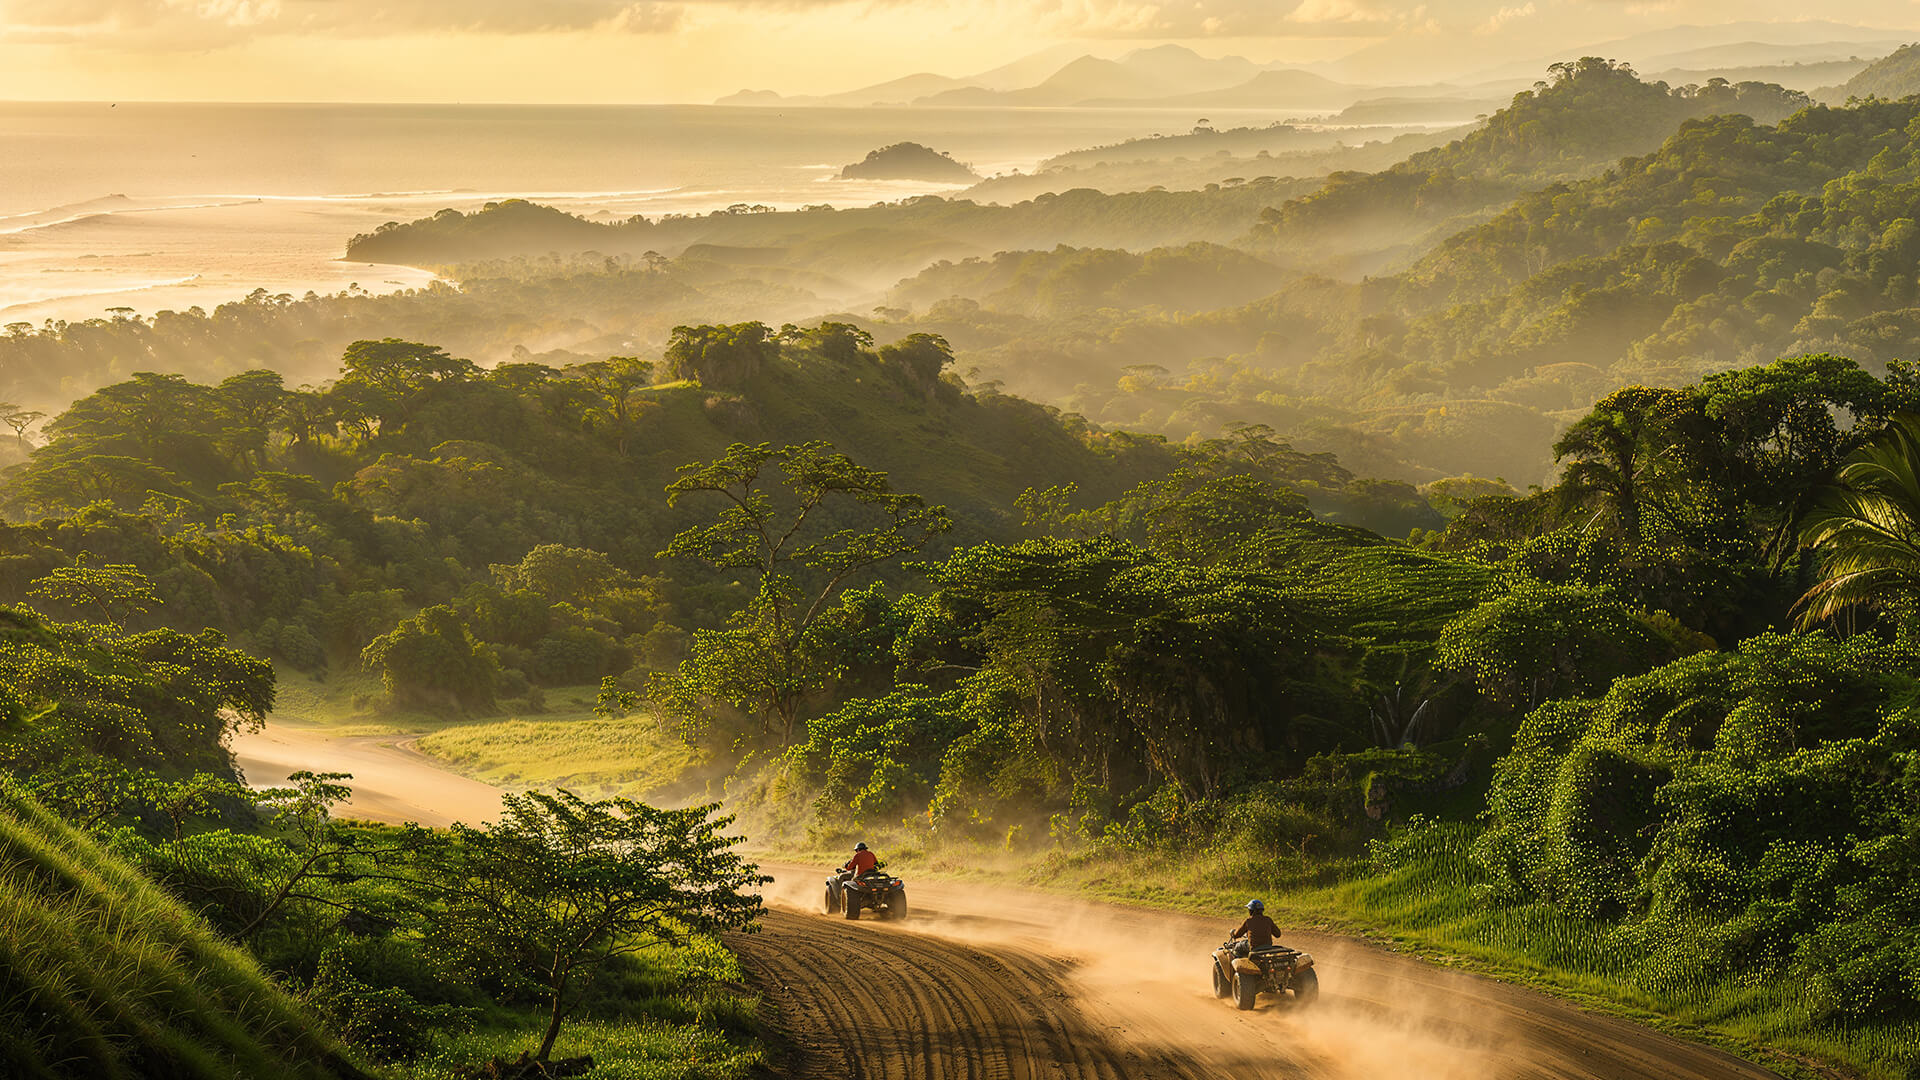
582 51
1451 470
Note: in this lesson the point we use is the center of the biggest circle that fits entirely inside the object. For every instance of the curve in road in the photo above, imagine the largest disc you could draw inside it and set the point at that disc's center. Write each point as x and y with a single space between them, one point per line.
987 982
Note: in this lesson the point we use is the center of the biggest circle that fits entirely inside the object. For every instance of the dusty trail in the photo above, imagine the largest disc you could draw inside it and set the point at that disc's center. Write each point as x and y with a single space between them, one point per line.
988 982
392 781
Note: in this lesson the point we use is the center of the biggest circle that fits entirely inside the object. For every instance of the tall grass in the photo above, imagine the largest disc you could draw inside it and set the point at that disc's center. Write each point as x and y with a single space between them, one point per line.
103 975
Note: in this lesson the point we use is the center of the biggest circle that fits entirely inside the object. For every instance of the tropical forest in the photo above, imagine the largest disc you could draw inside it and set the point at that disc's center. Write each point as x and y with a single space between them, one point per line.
1495 546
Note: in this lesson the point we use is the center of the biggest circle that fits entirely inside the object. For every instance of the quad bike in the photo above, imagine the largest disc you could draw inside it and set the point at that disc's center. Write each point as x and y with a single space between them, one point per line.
876 889
1242 973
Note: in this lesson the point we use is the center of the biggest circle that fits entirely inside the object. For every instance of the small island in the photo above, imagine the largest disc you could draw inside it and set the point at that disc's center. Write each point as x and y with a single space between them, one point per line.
909 161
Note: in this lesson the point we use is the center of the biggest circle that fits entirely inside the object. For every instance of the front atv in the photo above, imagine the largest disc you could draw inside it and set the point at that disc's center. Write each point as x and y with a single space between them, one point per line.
1243 974
875 889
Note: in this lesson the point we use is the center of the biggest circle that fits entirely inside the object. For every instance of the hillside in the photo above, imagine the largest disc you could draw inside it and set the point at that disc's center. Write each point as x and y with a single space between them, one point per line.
106 977
1892 77
1587 116
854 249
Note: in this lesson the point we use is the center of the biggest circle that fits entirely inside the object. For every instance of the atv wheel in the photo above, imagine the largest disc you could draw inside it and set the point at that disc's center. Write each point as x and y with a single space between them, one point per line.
852 904
833 900
897 907
1244 991
1221 987
1306 987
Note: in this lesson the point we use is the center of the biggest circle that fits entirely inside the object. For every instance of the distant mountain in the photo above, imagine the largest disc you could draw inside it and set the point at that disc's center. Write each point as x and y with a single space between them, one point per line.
1164 75
1284 89
1025 71
751 97
1182 69
1892 77
894 91
1761 54
1808 77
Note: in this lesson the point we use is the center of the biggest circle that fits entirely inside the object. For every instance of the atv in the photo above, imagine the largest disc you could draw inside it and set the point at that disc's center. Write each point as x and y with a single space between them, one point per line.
876 889
1242 973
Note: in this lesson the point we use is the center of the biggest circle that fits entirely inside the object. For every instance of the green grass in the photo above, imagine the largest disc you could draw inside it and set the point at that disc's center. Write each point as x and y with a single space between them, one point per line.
103 975
676 1013
564 745
595 757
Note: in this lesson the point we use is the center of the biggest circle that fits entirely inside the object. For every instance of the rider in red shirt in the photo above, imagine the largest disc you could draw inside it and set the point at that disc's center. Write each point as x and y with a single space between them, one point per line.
862 861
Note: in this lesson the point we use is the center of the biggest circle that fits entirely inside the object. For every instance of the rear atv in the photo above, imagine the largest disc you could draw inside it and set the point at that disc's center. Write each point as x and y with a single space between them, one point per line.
1242 974
875 890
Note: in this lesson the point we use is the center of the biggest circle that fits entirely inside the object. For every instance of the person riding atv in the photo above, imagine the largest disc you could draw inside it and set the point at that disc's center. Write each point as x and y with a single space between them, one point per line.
862 884
1251 963
1258 931
863 861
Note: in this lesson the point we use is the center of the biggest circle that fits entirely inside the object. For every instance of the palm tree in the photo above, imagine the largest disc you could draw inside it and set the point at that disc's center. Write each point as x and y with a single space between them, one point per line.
1865 527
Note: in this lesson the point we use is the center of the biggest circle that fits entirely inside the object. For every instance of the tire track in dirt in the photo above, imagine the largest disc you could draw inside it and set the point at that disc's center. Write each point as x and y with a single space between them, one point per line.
877 1002
998 983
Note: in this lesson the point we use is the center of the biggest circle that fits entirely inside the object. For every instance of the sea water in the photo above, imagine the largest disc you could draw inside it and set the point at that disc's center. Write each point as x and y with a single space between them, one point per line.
170 206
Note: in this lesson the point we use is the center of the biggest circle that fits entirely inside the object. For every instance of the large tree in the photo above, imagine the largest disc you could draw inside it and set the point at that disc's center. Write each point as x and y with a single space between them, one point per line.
806 521
1620 457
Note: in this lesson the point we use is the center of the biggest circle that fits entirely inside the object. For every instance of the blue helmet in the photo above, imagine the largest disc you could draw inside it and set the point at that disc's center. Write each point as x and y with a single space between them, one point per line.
1256 906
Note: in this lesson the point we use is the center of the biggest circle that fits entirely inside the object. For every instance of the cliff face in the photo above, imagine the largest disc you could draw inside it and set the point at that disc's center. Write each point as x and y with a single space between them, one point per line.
909 161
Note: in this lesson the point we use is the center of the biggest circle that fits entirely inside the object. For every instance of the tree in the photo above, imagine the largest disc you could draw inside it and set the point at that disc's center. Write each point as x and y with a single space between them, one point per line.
842 342
720 356
560 887
614 385
1538 641
307 414
1618 451
772 653
1777 431
433 661
19 419
250 402
921 358
1864 528
382 383
117 591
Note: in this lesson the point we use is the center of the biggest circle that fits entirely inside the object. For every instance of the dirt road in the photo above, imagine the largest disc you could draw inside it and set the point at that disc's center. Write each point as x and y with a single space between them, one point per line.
392 782
986 983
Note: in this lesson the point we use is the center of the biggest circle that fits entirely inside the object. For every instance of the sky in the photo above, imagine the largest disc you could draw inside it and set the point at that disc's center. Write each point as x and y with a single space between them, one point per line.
624 51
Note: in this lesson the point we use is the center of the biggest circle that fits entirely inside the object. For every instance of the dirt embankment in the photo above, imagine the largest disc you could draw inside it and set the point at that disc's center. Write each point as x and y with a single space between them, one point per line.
988 982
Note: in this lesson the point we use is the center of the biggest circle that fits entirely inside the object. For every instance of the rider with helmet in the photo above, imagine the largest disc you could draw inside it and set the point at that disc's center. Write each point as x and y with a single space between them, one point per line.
1259 931
863 861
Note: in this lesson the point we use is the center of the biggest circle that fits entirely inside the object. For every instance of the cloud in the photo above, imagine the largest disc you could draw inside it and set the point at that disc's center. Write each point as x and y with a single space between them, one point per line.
213 23
1192 19
1504 16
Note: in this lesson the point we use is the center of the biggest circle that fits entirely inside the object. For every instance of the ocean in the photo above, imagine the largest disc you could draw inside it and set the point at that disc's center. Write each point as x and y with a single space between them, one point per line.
171 206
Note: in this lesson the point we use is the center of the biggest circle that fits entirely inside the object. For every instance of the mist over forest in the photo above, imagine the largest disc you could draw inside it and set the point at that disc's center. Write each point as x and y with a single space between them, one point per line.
1477 514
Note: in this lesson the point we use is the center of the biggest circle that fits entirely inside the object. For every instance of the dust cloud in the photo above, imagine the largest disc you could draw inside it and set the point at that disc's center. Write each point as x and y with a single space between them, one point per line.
1143 978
